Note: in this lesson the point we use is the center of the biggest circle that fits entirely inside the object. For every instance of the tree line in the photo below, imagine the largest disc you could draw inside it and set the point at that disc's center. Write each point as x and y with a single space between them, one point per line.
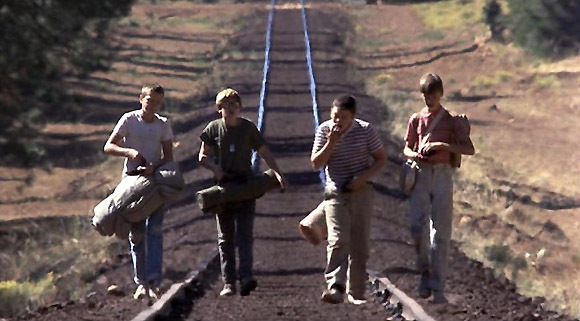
42 42
544 28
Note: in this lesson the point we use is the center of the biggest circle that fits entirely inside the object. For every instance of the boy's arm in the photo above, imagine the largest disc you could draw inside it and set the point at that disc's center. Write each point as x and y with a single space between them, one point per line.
205 153
379 160
409 153
264 152
112 147
411 138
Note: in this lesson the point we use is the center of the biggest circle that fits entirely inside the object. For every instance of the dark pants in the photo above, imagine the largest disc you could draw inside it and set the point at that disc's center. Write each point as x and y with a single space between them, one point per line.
235 226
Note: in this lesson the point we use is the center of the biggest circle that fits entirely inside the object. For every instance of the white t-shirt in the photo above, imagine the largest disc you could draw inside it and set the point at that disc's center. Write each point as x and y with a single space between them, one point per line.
143 136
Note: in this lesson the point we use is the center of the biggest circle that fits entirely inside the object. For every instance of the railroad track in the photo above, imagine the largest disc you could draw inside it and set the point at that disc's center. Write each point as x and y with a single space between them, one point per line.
179 301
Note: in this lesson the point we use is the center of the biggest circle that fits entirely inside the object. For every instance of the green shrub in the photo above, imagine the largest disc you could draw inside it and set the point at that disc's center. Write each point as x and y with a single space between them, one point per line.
499 253
546 28
492 17
42 42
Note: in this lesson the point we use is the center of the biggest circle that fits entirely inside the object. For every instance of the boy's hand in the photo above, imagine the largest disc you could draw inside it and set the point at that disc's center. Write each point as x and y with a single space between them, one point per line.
334 134
137 157
282 181
430 148
355 184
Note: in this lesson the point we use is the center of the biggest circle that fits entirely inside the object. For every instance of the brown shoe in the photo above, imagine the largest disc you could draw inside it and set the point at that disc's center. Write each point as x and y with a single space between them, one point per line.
247 286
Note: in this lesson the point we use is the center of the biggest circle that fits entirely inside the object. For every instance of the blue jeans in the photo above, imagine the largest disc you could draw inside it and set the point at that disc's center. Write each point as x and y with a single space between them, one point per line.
235 226
147 250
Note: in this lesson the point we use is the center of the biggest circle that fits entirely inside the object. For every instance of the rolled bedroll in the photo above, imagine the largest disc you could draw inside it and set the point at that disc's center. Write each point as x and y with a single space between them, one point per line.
212 198
313 226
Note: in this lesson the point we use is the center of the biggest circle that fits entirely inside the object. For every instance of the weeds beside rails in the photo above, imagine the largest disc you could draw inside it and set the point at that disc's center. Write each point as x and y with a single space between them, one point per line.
48 259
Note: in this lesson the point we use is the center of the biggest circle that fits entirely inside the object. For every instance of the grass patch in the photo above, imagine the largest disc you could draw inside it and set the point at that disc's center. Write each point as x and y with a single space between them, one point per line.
382 79
51 259
451 14
547 82
432 35
17 297
500 77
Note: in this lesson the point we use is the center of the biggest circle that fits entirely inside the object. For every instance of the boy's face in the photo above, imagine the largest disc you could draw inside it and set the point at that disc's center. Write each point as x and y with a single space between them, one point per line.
151 102
230 109
432 99
342 117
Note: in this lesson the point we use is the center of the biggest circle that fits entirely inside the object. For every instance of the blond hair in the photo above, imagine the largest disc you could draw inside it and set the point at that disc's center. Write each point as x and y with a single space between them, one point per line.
227 95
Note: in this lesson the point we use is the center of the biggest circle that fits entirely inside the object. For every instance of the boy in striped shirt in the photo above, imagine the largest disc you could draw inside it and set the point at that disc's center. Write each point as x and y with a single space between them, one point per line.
351 152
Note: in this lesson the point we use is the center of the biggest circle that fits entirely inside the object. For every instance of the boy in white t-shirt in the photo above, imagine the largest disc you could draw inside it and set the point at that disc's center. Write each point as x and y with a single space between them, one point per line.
145 138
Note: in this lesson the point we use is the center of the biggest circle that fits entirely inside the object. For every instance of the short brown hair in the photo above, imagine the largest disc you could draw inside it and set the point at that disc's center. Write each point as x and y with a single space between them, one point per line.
153 88
346 102
227 95
430 82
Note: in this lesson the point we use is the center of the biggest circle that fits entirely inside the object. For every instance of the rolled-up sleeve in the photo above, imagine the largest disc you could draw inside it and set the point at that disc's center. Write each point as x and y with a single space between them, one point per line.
320 138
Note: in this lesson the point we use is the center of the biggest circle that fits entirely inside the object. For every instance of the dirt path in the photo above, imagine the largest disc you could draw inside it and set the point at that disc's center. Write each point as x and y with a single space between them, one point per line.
290 271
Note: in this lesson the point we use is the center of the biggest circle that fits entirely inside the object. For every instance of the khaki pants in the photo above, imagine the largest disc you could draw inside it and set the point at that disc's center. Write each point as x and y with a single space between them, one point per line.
348 219
430 218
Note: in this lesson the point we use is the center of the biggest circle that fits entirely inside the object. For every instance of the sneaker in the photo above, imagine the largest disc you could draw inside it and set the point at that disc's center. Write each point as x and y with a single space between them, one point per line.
228 290
140 293
155 293
439 298
424 288
332 296
356 301
247 286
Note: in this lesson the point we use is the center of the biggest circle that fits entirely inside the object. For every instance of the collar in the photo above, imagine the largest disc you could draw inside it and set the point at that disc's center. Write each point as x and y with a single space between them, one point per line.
354 123
432 115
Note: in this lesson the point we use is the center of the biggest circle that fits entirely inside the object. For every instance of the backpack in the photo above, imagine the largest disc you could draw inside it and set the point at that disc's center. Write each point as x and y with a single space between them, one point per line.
459 121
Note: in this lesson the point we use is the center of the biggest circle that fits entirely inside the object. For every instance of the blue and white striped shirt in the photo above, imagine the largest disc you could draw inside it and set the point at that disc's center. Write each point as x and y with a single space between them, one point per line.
351 154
